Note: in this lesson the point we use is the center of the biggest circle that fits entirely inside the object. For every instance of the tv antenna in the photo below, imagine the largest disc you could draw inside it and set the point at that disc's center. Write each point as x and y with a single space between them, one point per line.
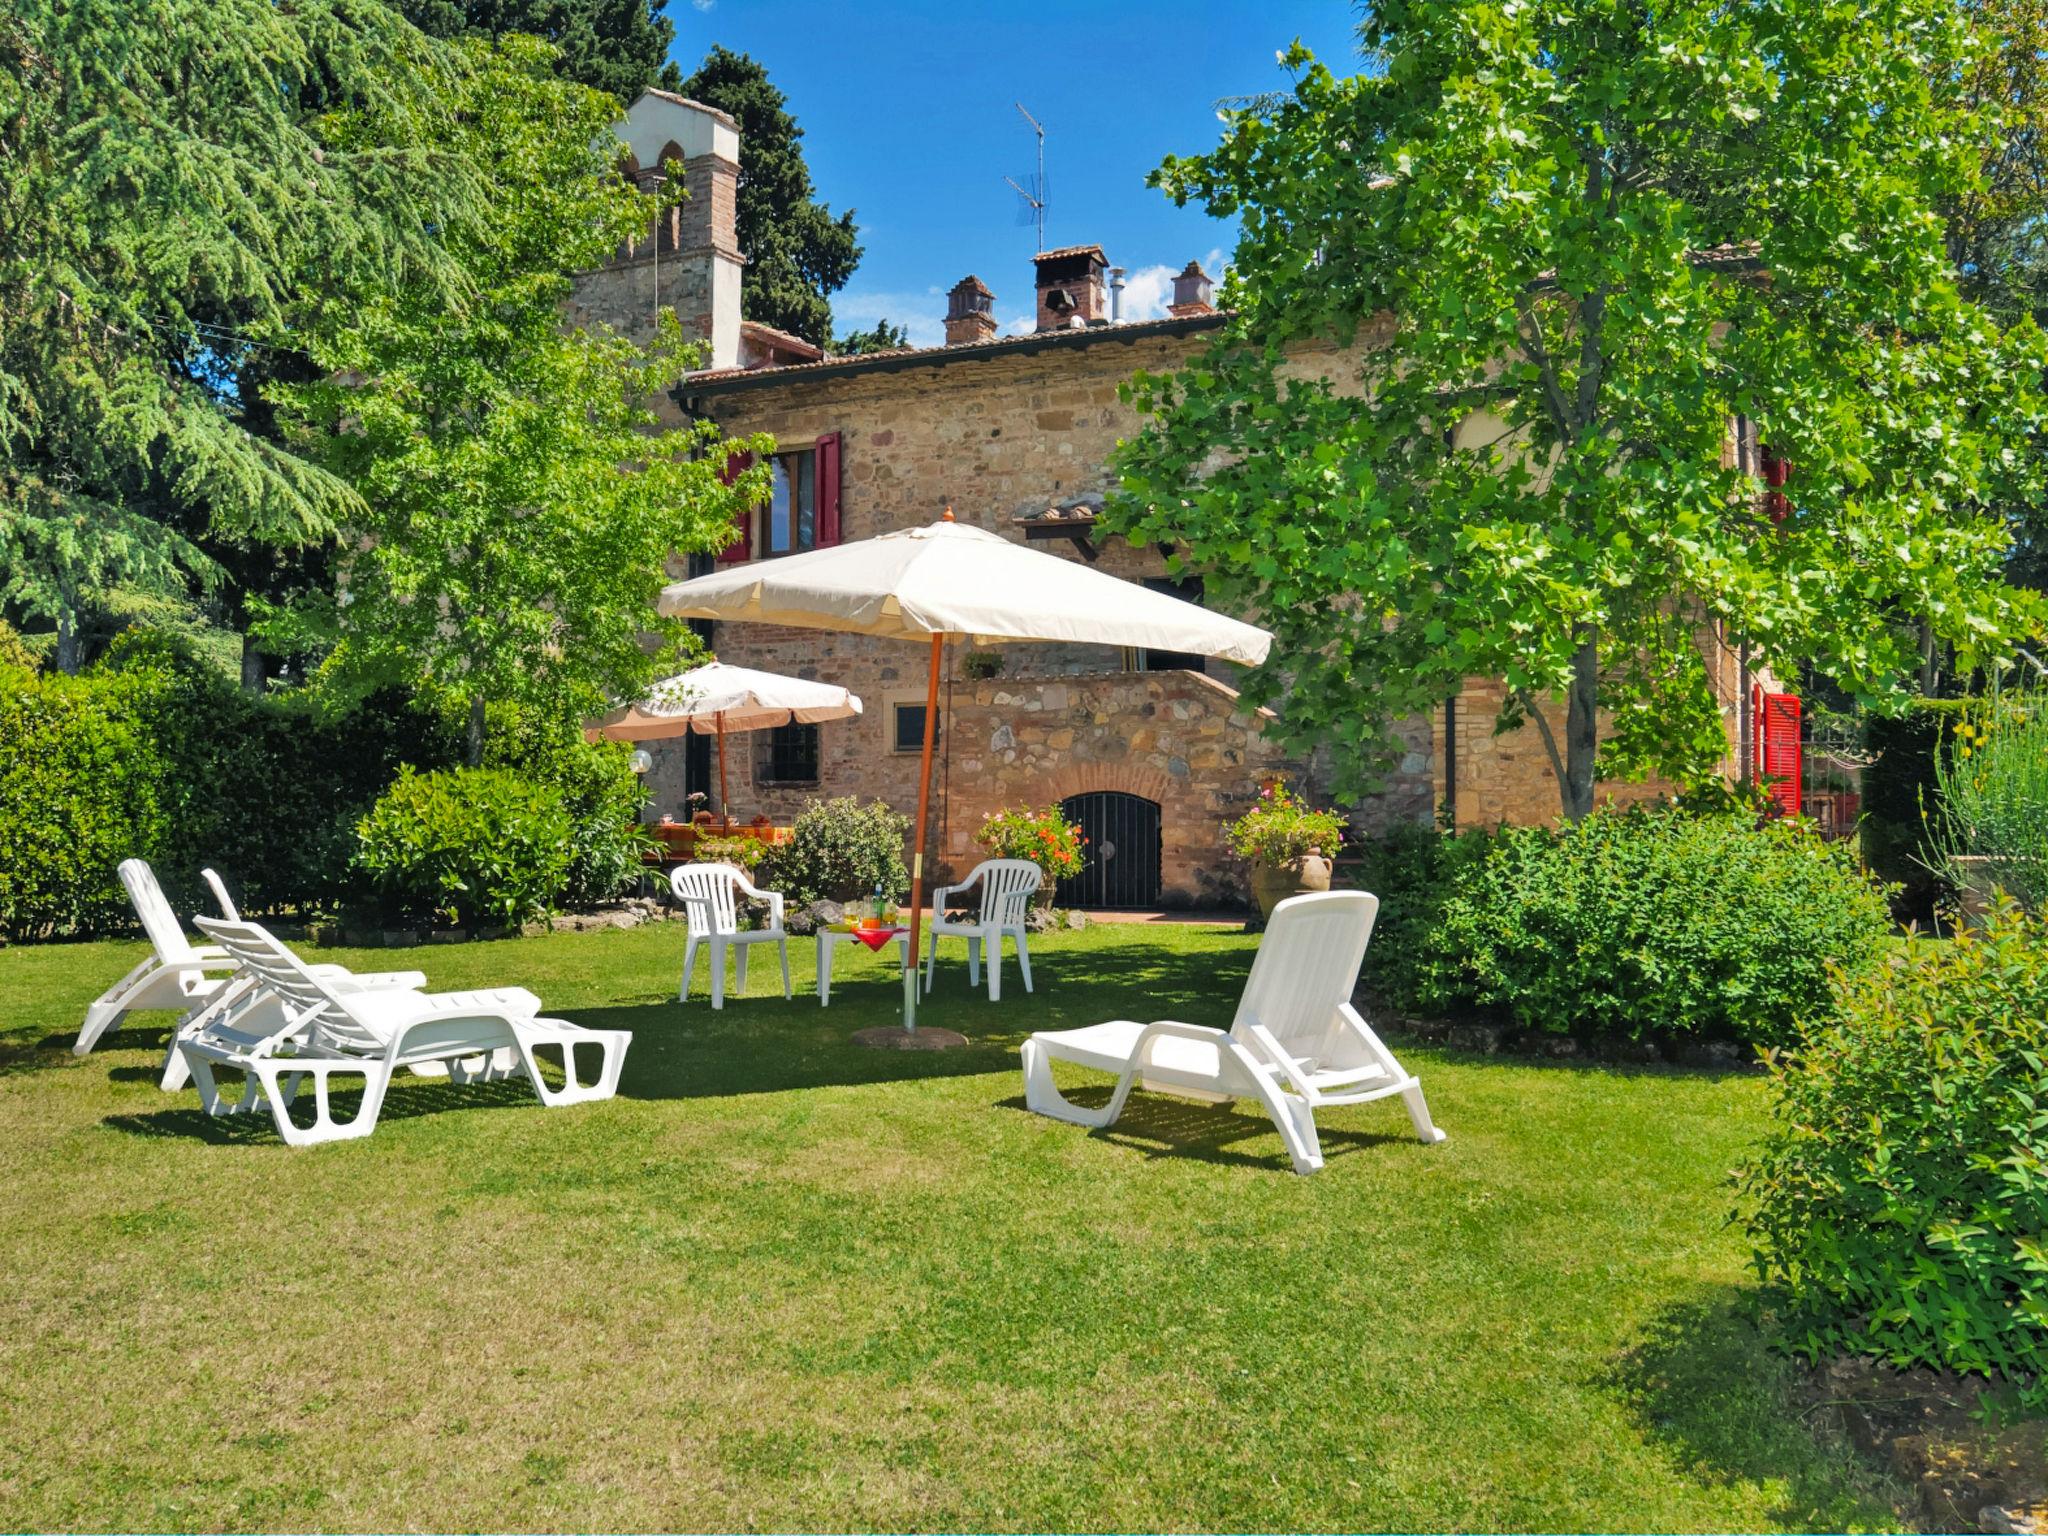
1032 209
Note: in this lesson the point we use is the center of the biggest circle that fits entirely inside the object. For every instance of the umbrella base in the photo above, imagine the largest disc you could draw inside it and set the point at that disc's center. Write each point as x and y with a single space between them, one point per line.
894 1037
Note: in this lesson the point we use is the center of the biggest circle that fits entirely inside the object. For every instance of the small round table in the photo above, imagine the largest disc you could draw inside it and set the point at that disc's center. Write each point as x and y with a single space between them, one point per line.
830 938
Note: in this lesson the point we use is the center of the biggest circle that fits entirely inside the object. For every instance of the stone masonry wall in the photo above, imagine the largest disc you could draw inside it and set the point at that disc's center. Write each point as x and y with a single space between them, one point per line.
997 438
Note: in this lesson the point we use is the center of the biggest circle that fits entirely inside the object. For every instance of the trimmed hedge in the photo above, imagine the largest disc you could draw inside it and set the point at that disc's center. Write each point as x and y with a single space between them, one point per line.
1649 922
81 788
157 755
465 846
1899 1204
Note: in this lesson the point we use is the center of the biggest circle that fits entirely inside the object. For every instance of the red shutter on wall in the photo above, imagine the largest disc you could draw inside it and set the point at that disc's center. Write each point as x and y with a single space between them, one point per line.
827 468
1778 761
1777 474
742 545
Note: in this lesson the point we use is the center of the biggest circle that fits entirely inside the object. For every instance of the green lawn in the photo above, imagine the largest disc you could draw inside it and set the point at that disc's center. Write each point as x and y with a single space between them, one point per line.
785 1282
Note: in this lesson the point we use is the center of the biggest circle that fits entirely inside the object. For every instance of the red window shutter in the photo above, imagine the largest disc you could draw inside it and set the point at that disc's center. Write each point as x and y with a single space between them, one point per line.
742 545
826 529
1777 474
1778 757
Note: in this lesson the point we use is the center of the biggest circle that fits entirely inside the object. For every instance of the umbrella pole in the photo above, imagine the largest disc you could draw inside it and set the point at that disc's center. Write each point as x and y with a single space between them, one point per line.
924 805
724 805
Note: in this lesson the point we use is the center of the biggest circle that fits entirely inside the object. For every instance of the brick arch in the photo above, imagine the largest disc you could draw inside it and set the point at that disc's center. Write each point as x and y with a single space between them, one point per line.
1094 778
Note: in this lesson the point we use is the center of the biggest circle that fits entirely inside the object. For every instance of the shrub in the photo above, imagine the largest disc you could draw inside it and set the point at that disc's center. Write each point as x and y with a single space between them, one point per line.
1899 1204
1413 869
741 852
601 793
1045 838
1993 780
82 786
839 850
1282 828
1652 921
467 846
267 788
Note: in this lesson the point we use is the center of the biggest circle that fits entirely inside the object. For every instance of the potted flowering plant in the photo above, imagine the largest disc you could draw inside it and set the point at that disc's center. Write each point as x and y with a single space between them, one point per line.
1044 837
1288 844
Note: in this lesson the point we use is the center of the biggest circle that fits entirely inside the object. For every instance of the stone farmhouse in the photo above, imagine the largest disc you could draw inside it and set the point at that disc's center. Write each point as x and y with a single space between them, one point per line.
1152 752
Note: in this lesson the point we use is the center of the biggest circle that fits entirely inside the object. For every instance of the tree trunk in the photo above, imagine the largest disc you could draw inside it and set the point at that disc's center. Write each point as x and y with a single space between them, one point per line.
252 665
476 730
67 641
1581 728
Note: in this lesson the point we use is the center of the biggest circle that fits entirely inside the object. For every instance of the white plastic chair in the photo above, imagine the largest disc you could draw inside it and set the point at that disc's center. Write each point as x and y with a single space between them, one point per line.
303 1025
1297 1045
710 896
1007 886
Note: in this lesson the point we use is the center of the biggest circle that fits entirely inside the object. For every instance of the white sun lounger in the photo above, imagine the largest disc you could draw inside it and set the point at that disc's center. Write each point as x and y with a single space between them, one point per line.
177 973
321 1030
1297 1045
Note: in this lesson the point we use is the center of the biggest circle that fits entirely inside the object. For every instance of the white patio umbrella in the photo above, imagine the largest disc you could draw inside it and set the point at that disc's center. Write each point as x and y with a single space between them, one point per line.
716 698
944 580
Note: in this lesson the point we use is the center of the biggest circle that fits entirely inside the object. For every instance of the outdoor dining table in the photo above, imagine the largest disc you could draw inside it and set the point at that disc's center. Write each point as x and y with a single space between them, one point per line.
874 938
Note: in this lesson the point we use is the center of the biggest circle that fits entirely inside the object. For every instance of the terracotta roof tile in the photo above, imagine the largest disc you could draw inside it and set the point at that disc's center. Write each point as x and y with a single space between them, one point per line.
1031 341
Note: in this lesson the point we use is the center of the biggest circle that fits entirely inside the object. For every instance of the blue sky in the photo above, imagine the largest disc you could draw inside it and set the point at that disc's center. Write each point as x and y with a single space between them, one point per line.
908 119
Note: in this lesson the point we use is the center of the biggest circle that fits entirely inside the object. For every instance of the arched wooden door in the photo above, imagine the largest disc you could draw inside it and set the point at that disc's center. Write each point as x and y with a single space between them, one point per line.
1123 851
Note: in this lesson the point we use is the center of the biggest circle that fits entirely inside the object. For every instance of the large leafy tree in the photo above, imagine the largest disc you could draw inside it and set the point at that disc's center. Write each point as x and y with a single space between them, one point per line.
171 191
518 500
799 253
1573 240
1997 240
620 46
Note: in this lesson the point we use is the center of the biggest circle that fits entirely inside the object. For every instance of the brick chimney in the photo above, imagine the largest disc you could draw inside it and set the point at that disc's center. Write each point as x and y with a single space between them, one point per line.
693 262
1070 288
970 312
1193 292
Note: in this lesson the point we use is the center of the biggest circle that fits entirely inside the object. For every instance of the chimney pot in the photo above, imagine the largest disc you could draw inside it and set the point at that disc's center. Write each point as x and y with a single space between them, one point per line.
1193 292
970 312
1071 293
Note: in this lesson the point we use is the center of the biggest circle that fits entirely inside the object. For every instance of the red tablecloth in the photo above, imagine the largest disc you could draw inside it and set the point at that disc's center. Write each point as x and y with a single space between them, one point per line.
875 938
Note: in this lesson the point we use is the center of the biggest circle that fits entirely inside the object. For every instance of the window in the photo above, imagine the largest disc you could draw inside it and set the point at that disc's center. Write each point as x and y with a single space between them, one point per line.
1188 589
802 510
792 755
907 722
790 520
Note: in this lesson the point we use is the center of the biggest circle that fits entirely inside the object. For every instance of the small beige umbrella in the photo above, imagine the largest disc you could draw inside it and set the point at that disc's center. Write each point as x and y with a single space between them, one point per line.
716 698
944 580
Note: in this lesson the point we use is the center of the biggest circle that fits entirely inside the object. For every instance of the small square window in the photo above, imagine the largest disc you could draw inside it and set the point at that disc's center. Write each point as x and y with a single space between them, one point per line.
908 723
792 755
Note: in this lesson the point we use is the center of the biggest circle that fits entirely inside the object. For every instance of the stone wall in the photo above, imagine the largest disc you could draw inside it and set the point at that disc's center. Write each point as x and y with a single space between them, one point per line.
1176 738
1003 436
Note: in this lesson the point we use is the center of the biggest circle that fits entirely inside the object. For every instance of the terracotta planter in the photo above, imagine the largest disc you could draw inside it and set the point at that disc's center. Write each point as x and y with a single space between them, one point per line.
1274 883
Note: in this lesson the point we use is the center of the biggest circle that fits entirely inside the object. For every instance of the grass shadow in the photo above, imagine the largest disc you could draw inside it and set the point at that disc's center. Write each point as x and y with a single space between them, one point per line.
1161 1126
749 1048
1704 1382
768 1045
53 1051
408 1099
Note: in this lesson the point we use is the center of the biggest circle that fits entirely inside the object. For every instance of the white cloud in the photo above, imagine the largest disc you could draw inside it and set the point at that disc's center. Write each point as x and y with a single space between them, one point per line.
703 5
922 315
1023 325
1148 290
